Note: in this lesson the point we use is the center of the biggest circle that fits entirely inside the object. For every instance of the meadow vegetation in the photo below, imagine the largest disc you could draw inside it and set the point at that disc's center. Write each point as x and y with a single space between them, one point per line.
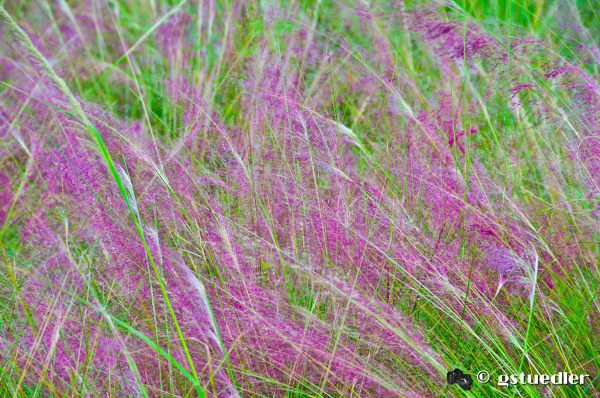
331 198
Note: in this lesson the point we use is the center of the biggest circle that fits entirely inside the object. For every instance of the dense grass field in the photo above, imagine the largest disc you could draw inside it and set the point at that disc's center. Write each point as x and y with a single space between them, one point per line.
331 198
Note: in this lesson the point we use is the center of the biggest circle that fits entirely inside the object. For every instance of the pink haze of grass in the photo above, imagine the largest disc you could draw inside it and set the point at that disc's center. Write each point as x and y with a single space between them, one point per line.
294 238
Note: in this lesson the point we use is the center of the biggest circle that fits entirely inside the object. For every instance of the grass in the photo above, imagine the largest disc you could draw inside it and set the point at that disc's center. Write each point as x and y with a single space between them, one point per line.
297 199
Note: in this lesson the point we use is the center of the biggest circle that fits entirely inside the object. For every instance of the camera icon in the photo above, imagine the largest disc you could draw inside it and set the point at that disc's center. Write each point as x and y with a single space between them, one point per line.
457 376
